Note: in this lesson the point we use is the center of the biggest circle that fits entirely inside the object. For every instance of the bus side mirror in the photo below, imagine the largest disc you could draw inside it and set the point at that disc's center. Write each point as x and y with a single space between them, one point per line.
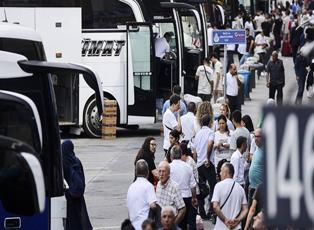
22 188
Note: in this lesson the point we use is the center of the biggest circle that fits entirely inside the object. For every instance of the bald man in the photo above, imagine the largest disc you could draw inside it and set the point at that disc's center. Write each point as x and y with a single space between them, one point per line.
275 77
168 192
232 89
141 196
167 218
257 165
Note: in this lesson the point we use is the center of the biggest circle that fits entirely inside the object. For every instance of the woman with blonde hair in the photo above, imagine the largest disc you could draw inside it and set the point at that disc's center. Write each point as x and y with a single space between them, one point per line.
224 110
203 109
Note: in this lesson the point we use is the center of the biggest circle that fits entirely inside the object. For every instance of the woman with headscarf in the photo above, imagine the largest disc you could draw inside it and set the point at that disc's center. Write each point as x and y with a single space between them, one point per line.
147 153
77 216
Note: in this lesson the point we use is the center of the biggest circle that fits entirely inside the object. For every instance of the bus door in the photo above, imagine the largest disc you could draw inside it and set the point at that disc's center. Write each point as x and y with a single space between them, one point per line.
193 46
188 24
141 82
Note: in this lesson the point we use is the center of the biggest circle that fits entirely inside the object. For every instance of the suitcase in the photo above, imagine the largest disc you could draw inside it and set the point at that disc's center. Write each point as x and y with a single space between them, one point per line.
286 49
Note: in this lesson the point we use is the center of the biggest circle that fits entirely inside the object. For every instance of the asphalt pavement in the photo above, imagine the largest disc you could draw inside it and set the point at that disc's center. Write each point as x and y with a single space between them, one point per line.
109 164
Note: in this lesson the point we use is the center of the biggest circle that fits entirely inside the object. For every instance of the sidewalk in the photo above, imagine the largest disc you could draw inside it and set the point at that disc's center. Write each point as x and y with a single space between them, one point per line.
259 95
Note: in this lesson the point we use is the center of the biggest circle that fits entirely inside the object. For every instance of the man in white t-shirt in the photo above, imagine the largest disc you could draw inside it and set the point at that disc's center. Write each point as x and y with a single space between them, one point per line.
170 121
204 75
202 153
218 77
182 174
259 19
230 209
238 161
162 46
141 196
187 123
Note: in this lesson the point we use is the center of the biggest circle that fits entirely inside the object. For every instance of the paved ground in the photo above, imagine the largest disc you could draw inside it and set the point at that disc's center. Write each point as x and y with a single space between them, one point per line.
109 164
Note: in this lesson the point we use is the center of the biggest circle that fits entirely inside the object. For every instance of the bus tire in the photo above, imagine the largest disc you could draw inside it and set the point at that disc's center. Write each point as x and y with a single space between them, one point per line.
91 122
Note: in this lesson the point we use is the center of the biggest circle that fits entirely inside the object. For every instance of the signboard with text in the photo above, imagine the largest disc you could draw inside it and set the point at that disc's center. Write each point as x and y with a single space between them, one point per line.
224 37
289 166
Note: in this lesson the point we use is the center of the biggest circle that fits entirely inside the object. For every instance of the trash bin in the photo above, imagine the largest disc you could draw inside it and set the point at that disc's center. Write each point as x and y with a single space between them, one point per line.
241 90
246 76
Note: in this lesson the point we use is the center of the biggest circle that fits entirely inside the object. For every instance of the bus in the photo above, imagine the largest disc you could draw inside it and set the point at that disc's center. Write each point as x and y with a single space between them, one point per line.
116 38
25 74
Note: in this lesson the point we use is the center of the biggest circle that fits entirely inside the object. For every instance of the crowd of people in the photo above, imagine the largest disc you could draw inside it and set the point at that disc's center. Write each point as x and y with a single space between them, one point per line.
282 31
213 163
212 169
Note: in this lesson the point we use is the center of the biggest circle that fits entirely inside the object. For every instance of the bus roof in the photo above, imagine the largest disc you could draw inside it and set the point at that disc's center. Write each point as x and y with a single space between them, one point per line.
9 30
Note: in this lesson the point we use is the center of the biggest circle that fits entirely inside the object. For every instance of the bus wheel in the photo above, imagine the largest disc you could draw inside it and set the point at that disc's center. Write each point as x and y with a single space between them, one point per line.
91 124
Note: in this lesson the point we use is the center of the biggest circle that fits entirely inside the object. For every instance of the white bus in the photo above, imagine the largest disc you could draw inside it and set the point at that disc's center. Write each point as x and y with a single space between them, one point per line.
116 39
28 119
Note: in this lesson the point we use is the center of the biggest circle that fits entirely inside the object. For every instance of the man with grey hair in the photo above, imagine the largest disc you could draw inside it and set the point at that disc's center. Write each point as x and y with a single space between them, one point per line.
182 174
275 77
168 193
168 214
141 196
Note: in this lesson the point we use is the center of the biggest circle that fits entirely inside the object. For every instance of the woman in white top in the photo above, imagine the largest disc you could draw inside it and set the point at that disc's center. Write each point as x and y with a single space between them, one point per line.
222 141
224 110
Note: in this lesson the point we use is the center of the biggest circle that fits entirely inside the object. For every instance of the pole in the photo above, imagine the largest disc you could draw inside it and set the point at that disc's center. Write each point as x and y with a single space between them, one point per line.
225 72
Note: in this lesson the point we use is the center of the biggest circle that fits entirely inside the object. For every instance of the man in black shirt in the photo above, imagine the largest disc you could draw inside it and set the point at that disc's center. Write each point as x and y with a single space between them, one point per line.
275 77
277 31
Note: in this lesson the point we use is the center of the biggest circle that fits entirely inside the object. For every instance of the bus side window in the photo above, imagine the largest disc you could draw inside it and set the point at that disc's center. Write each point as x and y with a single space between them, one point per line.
105 14
14 123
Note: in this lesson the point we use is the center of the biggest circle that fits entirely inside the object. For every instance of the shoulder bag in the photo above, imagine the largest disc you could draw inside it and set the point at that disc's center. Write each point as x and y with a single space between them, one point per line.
206 75
228 196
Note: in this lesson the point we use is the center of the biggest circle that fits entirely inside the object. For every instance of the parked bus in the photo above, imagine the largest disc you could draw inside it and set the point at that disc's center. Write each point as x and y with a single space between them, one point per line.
32 82
116 38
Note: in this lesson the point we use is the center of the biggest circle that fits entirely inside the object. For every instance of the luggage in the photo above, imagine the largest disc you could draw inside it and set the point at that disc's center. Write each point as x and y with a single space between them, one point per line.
286 49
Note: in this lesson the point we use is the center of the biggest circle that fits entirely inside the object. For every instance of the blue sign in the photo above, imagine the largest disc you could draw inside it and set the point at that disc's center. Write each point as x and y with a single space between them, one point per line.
224 37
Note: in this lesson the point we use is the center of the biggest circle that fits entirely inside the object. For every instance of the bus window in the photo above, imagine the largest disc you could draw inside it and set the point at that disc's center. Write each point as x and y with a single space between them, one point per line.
32 50
105 14
15 123
141 55
191 35
161 28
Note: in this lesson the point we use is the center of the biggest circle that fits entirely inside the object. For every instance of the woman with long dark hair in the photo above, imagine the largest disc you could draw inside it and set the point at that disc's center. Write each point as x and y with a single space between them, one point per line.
147 153
222 141
174 138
